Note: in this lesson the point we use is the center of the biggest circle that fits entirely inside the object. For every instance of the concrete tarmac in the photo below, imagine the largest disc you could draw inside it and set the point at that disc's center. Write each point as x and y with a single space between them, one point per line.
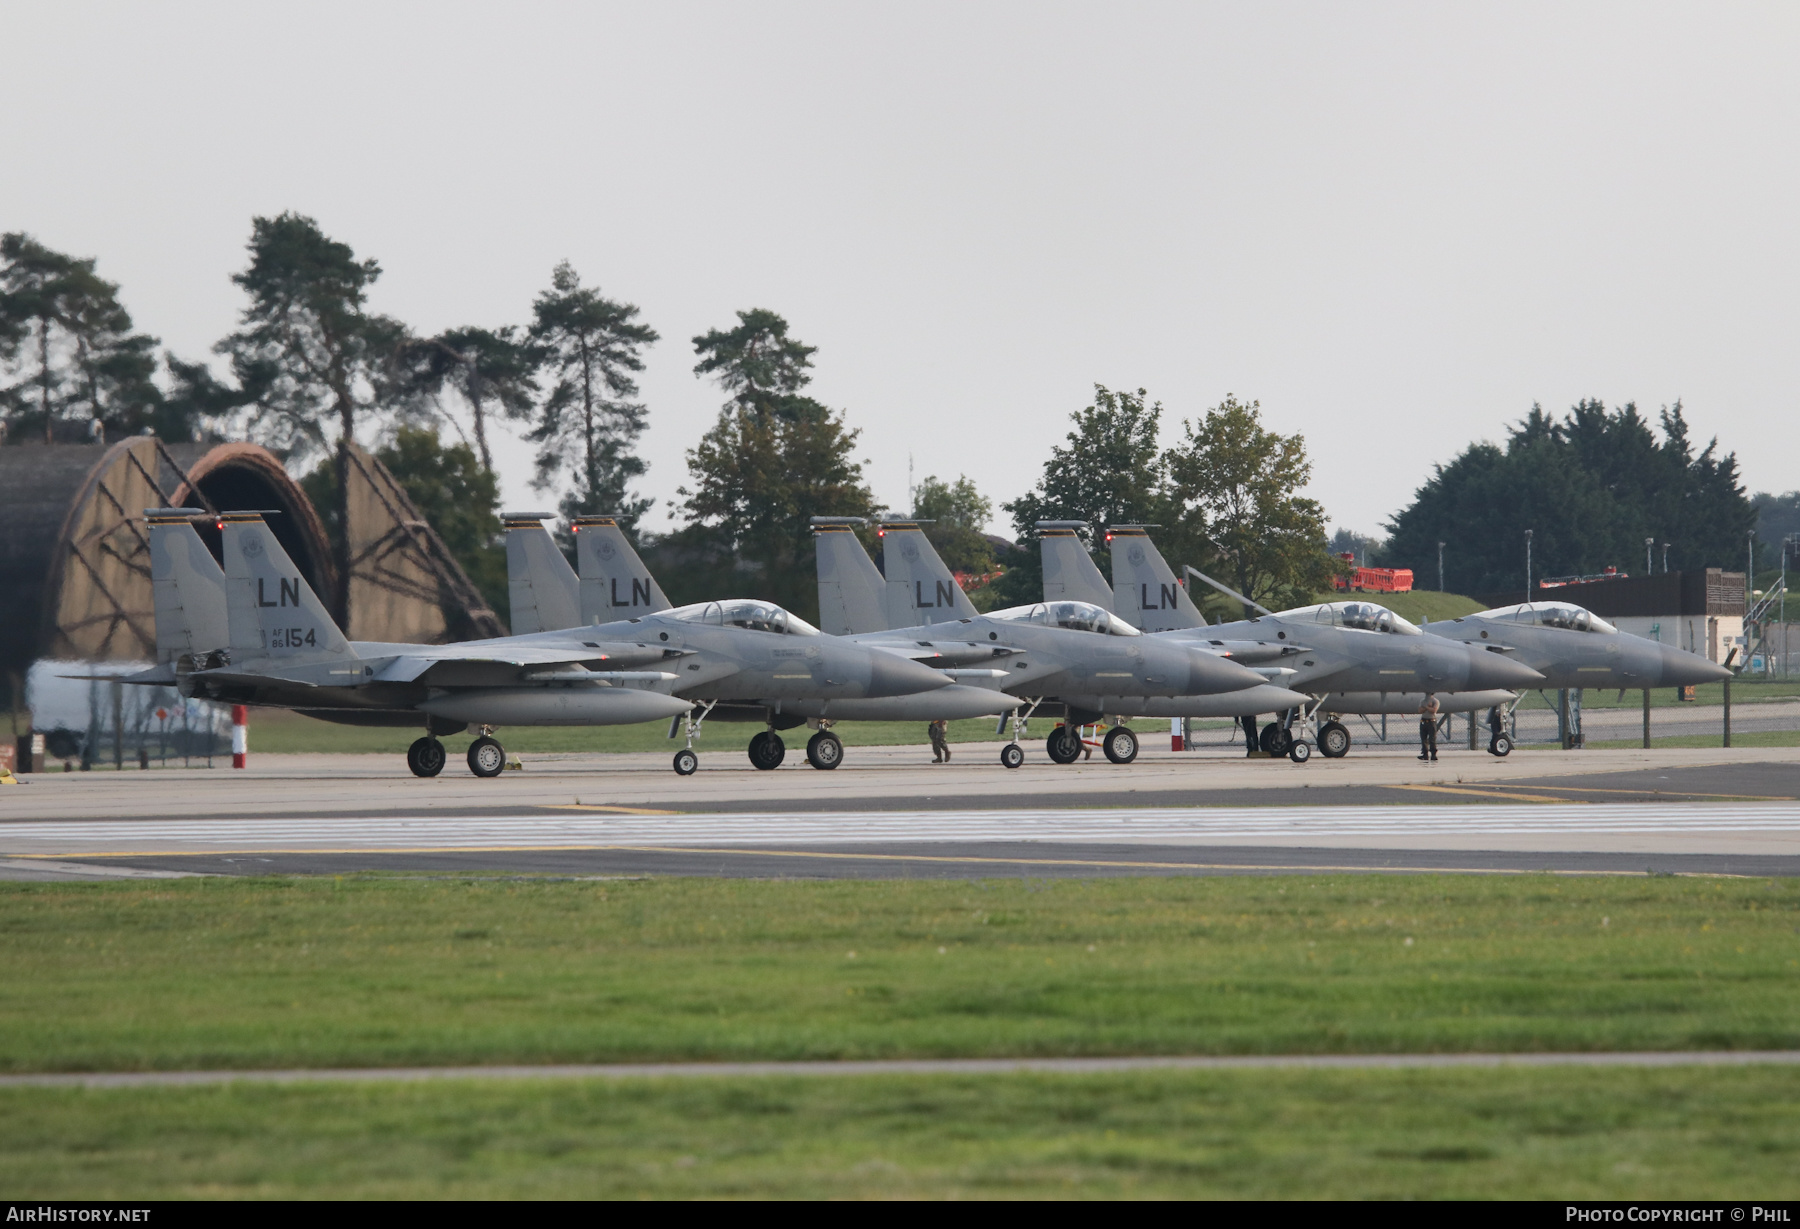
886 813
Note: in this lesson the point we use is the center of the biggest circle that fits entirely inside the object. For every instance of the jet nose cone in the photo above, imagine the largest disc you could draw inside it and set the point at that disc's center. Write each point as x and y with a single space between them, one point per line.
1683 669
1497 672
892 675
1210 675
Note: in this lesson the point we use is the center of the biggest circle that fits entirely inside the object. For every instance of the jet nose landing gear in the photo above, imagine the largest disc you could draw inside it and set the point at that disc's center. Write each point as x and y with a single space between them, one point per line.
487 758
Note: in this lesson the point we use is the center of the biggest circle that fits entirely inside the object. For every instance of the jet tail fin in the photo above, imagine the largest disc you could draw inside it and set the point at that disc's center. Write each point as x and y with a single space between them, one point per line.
541 587
1145 591
920 589
1069 571
852 593
615 584
271 610
187 585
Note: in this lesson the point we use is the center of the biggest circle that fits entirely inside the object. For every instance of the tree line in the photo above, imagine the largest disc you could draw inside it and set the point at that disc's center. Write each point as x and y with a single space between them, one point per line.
310 367
1591 486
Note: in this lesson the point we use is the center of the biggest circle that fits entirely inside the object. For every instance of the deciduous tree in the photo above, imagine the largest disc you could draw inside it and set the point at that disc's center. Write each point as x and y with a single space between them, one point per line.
1238 485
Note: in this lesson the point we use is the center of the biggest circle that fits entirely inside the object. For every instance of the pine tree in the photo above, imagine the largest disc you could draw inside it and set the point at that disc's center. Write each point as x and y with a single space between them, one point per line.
589 423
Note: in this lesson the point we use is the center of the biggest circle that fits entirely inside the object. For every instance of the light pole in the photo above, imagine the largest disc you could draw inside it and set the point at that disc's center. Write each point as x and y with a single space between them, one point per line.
1649 558
1528 565
1666 546
1440 567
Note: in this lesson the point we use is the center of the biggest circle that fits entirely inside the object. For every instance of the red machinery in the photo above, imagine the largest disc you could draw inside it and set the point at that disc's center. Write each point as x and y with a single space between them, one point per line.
1374 580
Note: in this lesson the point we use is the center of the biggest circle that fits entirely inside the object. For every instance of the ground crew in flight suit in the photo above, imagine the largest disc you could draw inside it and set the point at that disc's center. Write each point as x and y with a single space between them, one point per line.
940 741
1428 717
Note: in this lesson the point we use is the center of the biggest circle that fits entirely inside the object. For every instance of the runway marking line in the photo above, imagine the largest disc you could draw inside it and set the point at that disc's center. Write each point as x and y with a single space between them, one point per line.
1658 793
594 806
879 857
1482 793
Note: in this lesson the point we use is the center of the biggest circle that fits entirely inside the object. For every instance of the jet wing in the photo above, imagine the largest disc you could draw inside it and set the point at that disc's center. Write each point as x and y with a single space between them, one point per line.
544 659
1252 652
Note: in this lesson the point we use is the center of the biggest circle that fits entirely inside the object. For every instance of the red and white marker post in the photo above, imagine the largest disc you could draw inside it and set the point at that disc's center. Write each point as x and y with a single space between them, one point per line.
1176 741
240 735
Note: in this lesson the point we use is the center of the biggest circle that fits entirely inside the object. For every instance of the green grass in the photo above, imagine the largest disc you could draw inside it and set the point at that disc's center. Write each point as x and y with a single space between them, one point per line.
277 730
1414 607
1682 1133
1754 738
382 971
1742 692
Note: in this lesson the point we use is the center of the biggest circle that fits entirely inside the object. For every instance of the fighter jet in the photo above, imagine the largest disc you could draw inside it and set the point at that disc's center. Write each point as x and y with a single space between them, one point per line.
256 633
1350 657
1105 667
284 650
1572 647
613 580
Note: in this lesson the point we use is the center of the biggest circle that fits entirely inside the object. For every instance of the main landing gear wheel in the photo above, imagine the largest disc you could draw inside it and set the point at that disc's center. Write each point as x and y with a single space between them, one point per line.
823 750
1299 752
426 757
1012 755
1064 744
686 762
487 758
1500 745
1334 740
767 750
1120 745
1275 740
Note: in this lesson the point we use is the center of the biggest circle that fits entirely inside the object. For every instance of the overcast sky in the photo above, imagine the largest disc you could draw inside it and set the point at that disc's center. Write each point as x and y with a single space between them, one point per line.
1396 226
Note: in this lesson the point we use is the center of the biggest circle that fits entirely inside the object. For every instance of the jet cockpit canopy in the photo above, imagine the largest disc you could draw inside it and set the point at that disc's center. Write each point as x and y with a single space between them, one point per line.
1565 615
1362 616
746 613
1076 616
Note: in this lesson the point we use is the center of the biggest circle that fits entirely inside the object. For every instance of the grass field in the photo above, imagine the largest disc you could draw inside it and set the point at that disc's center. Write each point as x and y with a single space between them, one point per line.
399 970
380 971
1682 1133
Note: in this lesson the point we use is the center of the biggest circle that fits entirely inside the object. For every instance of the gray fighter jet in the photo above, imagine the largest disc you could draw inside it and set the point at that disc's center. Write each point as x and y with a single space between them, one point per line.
614 580
256 633
284 650
1107 668
1572 647
1350 657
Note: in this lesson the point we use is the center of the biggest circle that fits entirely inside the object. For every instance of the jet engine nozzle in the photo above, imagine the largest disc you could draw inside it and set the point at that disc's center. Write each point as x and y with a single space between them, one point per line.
1489 671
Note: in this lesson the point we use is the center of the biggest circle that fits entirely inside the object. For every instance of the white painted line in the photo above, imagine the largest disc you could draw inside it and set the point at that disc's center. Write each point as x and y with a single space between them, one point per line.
1175 825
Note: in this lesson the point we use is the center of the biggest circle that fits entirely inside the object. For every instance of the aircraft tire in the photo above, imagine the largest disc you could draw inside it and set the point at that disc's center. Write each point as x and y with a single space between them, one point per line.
1299 751
487 758
686 762
1500 745
426 757
1120 745
824 750
1334 740
1012 755
1063 744
767 750
1267 739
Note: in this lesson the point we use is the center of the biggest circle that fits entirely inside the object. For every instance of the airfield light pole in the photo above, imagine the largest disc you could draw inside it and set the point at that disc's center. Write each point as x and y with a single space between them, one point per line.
1649 559
1528 565
1440 567
1666 546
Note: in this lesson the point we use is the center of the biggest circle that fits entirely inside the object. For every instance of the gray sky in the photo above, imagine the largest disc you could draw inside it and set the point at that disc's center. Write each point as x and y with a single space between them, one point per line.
1396 226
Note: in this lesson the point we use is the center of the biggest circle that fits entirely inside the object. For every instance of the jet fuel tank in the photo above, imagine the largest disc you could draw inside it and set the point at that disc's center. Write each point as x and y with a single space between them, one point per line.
555 706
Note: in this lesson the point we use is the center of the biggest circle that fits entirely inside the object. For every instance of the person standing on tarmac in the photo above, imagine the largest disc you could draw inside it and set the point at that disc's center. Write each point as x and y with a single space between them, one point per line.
940 741
1428 718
